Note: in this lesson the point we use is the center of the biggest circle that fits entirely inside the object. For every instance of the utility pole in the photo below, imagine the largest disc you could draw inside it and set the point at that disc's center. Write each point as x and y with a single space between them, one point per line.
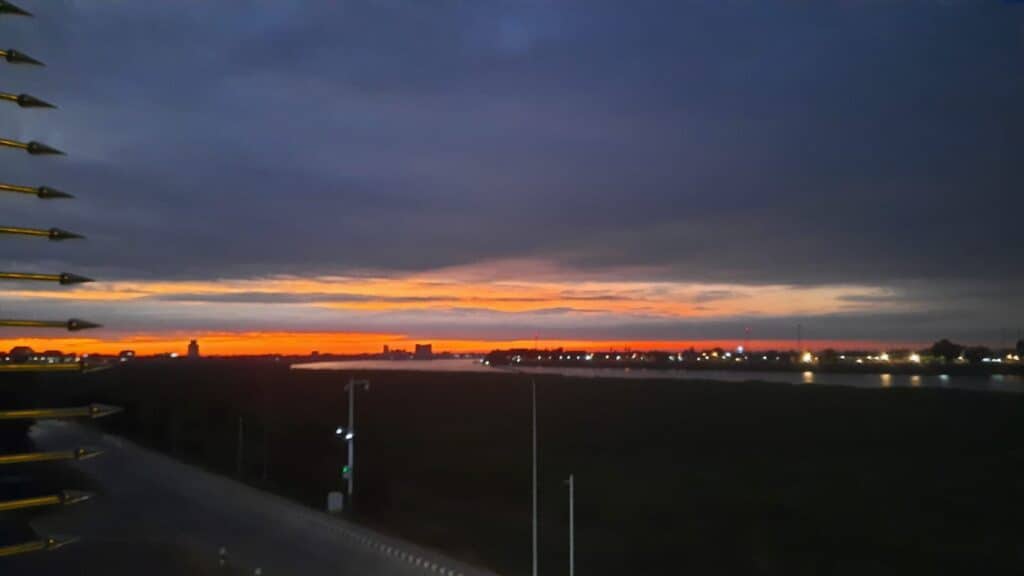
266 435
533 404
266 466
572 524
350 437
352 442
240 447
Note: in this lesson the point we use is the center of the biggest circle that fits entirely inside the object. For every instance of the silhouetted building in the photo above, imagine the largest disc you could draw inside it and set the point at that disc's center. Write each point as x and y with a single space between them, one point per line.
21 354
193 349
387 349
53 357
424 351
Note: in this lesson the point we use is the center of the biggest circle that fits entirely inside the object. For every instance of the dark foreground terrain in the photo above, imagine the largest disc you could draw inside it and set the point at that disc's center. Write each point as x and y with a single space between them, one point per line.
672 477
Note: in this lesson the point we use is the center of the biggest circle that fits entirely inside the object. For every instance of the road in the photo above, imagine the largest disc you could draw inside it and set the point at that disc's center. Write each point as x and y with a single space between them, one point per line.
158 516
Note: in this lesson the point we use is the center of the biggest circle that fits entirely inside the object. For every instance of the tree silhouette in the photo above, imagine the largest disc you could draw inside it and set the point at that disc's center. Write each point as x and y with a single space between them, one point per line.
974 354
946 349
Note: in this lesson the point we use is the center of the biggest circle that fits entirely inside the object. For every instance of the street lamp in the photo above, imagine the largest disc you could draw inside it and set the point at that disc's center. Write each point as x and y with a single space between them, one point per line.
349 435
571 482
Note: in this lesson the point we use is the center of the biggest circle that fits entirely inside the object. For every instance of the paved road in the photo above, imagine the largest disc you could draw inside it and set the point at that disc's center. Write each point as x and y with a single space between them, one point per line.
158 516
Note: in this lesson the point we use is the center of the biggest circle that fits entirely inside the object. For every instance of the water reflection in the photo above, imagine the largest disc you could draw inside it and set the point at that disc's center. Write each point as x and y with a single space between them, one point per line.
1005 383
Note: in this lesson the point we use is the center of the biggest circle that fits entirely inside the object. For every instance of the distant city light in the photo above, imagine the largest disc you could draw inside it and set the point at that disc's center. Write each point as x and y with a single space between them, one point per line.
807 358
884 356
915 358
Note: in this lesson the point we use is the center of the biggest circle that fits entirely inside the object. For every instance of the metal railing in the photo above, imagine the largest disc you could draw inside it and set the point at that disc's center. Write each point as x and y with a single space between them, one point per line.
7 368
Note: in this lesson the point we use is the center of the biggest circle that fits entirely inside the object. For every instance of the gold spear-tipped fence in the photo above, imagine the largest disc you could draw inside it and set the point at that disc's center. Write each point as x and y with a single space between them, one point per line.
57 456
51 233
32 147
91 411
15 57
62 278
62 498
57 367
9 366
44 192
10 8
72 325
44 545
25 100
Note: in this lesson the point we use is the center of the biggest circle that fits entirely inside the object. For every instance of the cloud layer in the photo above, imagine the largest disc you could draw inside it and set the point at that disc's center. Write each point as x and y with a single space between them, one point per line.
720 150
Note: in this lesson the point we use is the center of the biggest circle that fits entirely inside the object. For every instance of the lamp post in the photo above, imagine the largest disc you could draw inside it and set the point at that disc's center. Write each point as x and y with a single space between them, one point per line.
349 435
572 524
533 408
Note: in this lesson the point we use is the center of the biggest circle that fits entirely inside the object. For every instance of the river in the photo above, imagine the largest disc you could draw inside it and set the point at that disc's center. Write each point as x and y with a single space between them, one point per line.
995 382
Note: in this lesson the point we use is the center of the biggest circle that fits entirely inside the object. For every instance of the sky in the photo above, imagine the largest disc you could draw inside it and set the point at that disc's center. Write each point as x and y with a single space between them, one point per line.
287 176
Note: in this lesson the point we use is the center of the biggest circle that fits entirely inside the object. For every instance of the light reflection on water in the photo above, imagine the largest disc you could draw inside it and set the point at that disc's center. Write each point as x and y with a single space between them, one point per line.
996 382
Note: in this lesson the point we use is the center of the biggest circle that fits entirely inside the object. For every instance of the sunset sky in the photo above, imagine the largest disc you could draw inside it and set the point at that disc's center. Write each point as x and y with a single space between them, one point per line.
283 176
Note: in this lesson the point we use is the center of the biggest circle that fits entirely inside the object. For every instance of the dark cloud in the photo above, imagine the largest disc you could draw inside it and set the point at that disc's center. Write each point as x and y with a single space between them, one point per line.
761 143
285 298
711 295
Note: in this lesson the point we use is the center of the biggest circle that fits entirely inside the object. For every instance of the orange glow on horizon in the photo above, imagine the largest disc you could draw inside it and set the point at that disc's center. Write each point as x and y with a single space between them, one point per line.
376 307
302 343
430 292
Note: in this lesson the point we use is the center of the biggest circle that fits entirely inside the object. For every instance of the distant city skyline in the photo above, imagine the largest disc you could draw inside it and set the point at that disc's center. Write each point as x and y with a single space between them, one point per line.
297 176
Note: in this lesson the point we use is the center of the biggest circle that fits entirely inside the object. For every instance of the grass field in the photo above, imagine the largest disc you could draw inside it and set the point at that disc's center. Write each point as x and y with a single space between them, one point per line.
672 477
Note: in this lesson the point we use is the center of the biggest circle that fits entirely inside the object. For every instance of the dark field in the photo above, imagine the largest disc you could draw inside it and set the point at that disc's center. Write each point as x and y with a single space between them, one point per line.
672 477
